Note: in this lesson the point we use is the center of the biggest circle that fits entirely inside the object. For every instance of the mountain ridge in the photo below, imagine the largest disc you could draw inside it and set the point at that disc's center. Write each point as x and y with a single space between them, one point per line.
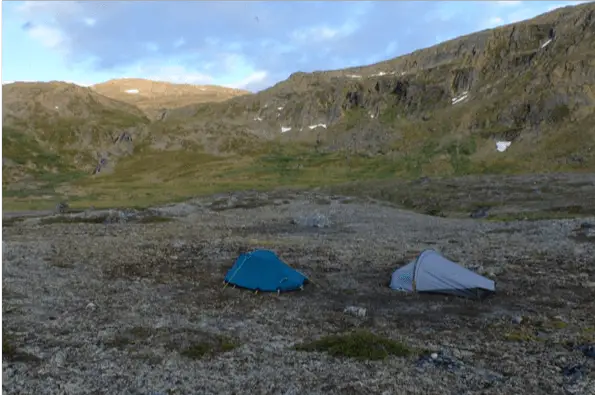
517 98
154 97
518 63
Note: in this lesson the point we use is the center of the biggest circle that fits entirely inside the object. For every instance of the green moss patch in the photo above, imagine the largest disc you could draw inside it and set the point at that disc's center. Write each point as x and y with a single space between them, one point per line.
363 345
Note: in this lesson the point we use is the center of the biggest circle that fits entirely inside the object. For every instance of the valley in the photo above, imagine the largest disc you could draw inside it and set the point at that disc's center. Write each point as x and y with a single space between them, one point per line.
126 203
512 100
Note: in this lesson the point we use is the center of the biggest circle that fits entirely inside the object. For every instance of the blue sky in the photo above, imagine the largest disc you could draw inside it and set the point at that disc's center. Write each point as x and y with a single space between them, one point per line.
249 45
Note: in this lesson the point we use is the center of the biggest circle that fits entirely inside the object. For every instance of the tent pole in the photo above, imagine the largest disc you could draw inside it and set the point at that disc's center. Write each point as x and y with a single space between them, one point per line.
239 267
413 282
307 278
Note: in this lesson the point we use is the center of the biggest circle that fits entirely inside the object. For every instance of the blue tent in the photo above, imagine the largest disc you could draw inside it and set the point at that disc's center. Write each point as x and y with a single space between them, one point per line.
262 270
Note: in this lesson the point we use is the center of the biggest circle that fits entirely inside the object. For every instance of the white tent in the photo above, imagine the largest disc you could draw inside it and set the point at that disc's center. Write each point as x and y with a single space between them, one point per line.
431 272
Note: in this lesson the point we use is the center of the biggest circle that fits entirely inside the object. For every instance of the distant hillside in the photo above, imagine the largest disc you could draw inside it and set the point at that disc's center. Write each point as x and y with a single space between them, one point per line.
441 109
59 128
515 99
154 97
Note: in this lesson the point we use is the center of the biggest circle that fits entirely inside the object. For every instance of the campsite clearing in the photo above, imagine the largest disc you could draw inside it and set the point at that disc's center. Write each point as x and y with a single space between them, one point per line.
125 304
128 305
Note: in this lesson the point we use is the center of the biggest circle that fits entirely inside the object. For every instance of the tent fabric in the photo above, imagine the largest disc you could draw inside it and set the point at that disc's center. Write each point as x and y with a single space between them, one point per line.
431 272
262 270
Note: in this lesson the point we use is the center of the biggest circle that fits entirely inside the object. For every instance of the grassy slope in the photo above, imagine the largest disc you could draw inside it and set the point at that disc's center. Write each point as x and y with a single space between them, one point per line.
51 136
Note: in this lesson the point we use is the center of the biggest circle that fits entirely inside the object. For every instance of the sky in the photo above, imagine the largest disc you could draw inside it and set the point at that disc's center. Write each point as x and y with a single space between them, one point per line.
250 45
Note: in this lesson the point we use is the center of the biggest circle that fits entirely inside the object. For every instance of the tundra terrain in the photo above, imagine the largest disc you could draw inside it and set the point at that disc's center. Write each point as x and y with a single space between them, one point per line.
133 301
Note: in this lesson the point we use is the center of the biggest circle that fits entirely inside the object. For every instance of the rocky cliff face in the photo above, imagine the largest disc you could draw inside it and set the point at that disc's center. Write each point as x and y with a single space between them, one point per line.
532 81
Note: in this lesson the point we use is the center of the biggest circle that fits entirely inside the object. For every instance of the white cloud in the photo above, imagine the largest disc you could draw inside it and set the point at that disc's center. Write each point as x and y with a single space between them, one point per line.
493 22
179 42
44 28
509 3
323 32
212 41
90 21
180 75
151 47
36 8
314 33
232 62
520 15
84 84
253 79
221 42
48 36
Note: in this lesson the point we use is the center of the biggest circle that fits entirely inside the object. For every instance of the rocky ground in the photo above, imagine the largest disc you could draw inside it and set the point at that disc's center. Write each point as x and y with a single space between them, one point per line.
125 302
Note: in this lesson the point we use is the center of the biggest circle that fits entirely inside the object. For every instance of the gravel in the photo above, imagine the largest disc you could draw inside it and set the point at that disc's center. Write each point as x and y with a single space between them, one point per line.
112 307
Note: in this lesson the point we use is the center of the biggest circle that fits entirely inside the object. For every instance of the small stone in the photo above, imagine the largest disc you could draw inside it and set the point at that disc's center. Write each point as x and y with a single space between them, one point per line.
589 351
574 370
517 319
434 355
355 311
91 306
62 207
178 244
59 358
479 269
481 212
